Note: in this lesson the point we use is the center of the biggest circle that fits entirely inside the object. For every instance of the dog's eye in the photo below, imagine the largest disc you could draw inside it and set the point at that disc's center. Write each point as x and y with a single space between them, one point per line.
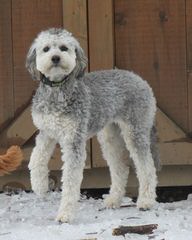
63 48
46 49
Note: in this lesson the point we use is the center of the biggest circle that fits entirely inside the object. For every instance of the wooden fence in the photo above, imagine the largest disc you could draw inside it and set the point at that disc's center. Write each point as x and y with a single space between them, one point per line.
151 37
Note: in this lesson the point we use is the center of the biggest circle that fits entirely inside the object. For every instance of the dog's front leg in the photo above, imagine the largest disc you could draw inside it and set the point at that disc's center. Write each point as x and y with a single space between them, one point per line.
74 155
38 164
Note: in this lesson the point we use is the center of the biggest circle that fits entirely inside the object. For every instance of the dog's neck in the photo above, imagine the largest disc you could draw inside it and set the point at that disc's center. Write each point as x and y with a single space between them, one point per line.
62 91
50 83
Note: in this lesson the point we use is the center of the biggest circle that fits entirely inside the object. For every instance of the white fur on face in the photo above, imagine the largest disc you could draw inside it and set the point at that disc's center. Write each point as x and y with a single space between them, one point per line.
44 62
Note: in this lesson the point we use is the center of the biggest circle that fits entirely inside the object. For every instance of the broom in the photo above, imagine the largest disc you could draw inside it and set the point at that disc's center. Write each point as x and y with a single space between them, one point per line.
11 160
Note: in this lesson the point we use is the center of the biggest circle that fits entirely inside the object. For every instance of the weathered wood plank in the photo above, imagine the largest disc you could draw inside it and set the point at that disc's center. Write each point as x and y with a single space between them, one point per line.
6 67
19 131
29 18
101 49
189 58
150 39
190 102
168 131
189 34
101 41
75 20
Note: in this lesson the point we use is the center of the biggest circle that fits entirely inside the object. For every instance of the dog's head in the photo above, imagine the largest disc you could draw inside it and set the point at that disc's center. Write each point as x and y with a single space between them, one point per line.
55 53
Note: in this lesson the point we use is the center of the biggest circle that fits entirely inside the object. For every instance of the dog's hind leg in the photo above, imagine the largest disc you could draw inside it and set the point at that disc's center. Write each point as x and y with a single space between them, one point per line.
38 164
138 143
155 149
113 149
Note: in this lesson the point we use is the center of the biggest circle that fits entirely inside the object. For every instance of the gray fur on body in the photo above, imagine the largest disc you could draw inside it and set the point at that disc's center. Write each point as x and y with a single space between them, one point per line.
122 95
117 105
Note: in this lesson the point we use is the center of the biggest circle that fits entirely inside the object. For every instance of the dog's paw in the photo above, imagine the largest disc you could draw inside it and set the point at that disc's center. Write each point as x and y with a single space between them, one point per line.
40 192
40 189
39 182
64 217
112 201
145 204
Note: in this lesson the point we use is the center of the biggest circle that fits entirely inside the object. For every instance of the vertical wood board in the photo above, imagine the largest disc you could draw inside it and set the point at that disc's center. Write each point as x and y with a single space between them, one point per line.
189 34
190 102
151 40
29 18
101 50
75 20
189 58
6 68
101 45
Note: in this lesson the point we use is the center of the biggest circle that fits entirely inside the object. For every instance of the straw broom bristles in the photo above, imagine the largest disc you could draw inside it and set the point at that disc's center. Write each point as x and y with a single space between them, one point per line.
11 160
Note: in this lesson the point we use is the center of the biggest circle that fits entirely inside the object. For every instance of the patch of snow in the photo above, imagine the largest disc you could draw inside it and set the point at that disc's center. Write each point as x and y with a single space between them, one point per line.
28 217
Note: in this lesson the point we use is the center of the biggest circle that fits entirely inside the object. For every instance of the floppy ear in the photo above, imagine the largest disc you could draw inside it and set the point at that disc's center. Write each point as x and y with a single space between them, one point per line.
81 62
31 63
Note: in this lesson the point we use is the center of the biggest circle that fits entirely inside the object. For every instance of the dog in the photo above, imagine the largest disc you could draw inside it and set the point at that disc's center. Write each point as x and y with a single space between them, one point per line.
11 160
70 106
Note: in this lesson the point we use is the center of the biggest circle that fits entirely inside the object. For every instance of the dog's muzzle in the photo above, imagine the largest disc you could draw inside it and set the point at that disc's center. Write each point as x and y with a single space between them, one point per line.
55 59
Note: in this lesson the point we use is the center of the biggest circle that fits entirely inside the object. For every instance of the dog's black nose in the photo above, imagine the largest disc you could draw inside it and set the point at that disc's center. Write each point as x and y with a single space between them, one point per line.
55 59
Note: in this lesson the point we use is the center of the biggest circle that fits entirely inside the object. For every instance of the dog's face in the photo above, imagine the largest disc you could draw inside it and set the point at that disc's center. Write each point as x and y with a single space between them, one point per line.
55 53
55 57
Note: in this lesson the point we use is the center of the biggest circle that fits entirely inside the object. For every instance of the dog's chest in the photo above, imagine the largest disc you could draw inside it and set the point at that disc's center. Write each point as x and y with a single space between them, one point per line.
54 124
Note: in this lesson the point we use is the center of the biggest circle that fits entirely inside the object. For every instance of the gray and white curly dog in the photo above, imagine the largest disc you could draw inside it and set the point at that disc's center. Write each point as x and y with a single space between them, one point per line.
70 107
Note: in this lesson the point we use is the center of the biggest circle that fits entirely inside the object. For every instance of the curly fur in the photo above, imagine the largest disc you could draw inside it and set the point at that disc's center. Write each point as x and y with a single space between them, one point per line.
11 160
117 105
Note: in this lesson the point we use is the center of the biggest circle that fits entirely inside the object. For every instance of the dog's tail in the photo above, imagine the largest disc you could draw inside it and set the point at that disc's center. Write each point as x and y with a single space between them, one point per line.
154 148
11 160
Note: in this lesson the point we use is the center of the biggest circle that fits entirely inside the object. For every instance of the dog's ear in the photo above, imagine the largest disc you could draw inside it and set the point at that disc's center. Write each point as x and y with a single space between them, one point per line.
31 63
81 62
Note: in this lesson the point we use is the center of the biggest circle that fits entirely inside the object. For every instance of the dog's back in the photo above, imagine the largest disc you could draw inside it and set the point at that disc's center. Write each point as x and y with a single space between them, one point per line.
118 88
118 94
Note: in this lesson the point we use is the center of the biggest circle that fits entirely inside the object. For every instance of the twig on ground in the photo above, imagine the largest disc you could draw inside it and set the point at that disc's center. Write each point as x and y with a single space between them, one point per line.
142 229
127 206
133 218
88 239
91 233
123 206
3 234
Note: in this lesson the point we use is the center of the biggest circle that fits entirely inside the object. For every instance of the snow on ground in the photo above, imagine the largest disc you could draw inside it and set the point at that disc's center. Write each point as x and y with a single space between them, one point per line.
28 217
